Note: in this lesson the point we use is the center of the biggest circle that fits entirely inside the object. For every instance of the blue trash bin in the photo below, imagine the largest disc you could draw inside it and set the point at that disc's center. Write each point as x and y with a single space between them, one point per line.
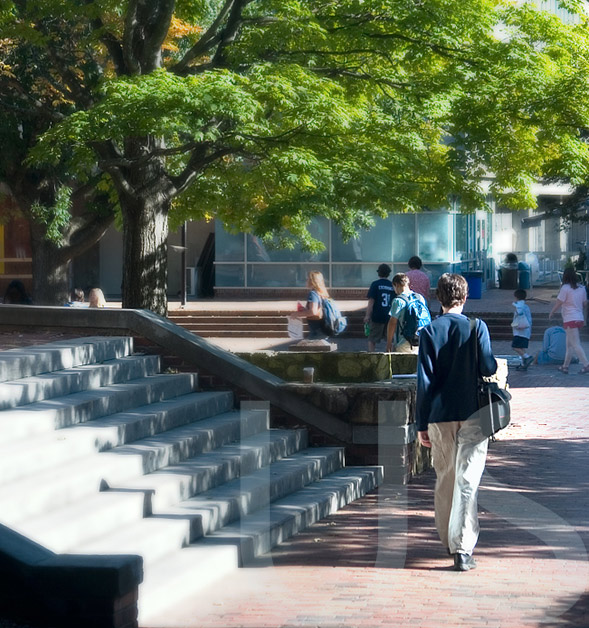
474 279
524 272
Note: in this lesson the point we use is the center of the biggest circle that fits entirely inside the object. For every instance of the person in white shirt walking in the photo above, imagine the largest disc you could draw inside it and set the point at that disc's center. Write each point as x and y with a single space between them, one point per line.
572 300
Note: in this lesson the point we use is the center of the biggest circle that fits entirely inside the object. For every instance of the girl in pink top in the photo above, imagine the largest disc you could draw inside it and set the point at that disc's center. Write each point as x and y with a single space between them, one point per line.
572 298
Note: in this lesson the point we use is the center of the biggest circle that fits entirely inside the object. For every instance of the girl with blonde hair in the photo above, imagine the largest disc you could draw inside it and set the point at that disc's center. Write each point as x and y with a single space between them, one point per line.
96 298
313 310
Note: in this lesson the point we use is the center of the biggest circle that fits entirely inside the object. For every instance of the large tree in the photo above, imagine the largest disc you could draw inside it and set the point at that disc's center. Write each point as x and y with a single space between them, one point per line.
66 215
266 113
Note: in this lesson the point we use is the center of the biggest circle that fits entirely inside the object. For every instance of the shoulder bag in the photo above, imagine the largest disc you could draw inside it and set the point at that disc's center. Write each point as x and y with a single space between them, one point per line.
494 409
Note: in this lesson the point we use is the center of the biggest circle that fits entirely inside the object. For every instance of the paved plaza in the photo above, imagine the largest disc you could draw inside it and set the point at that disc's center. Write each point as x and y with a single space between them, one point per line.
378 562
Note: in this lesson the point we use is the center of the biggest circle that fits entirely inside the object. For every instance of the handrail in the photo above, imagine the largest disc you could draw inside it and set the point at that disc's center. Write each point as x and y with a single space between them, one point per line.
186 345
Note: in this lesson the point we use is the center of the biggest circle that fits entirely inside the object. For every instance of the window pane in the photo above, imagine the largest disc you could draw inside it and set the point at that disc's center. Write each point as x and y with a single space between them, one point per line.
258 252
353 275
374 245
282 275
229 247
229 275
403 237
434 239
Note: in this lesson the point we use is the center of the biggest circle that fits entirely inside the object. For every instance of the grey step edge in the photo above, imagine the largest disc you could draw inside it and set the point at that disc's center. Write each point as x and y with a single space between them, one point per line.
55 356
46 386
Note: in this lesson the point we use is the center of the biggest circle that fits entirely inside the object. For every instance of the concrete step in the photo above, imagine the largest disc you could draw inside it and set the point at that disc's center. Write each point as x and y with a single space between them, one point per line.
181 574
138 463
45 416
85 519
153 538
59 485
37 388
156 536
60 446
62 354
207 561
220 506
256 534
196 475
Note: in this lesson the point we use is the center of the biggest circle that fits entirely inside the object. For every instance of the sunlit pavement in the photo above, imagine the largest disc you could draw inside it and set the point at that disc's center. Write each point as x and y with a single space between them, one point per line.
379 563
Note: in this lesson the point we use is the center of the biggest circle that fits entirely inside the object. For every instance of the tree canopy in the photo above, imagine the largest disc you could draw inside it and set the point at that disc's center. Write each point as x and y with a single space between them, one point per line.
267 113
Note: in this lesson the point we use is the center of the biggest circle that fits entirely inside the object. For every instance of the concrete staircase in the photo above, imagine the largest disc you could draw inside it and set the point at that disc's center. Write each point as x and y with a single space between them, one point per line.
233 323
272 324
101 453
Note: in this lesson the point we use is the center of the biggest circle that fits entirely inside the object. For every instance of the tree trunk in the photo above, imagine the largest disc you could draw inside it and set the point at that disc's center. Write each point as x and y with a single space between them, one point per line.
145 255
50 269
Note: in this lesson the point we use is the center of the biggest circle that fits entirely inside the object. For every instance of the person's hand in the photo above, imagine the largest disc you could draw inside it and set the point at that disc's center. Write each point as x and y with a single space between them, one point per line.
366 319
389 347
424 438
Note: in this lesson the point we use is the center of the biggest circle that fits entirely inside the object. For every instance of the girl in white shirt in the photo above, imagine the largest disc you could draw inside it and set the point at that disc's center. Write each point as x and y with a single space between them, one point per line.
572 298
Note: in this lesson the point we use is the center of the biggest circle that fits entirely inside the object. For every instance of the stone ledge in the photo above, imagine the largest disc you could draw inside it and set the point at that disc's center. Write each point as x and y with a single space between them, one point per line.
68 590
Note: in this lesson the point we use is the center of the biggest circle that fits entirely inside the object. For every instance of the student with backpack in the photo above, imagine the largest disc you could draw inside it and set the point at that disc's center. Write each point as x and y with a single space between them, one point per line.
323 316
409 314
378 311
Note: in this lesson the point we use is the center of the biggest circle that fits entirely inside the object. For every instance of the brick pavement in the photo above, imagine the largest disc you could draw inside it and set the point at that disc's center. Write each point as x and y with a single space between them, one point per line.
378 561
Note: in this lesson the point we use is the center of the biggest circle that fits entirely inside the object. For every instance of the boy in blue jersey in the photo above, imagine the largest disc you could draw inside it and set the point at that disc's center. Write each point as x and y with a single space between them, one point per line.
380 296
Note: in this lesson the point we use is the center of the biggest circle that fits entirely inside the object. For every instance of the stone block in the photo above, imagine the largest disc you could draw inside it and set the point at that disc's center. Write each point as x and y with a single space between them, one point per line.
383 434
333 367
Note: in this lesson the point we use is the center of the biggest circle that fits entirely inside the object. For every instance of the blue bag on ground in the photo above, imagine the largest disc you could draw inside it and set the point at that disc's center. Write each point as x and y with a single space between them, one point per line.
333 322
416 317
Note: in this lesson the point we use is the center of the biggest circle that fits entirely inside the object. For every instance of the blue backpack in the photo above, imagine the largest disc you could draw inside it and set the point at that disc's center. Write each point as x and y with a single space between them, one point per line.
333 323
416 317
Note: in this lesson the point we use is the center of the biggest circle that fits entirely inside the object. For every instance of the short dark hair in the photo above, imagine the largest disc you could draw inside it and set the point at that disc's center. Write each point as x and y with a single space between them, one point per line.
520 294
384 270
400 279
415 262
452 290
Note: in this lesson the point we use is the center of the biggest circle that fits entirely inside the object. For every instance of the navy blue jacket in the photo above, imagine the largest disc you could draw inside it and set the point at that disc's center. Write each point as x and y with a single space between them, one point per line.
447 372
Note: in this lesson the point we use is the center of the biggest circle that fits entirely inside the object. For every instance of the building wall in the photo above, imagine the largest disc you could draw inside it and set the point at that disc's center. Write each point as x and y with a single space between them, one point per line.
444 240
111 257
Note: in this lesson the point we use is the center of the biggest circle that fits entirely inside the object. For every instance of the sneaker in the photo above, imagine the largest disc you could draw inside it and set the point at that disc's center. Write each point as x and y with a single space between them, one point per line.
464 562
528 361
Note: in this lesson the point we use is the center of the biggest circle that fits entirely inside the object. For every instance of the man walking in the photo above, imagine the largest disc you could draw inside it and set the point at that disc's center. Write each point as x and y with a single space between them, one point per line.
380 296
409 313
446 416
418 280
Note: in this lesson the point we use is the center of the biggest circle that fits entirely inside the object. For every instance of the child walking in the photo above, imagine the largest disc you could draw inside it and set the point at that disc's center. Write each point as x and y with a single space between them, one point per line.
522 329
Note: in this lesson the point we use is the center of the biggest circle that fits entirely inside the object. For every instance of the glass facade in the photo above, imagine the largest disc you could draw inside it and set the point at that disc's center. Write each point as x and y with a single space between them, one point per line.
442 239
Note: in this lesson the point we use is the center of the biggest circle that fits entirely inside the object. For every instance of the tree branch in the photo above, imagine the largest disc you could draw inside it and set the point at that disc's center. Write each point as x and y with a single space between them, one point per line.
230 31
157 25
85 231
108 152
25 96
129 32
208 40
198 162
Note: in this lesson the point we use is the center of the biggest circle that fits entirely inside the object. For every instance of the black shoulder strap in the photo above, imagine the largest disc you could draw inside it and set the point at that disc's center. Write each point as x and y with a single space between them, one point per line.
474 338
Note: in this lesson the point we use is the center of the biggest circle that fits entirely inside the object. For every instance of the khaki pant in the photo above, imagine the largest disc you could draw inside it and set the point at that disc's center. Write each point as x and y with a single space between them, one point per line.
459 452
406 347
